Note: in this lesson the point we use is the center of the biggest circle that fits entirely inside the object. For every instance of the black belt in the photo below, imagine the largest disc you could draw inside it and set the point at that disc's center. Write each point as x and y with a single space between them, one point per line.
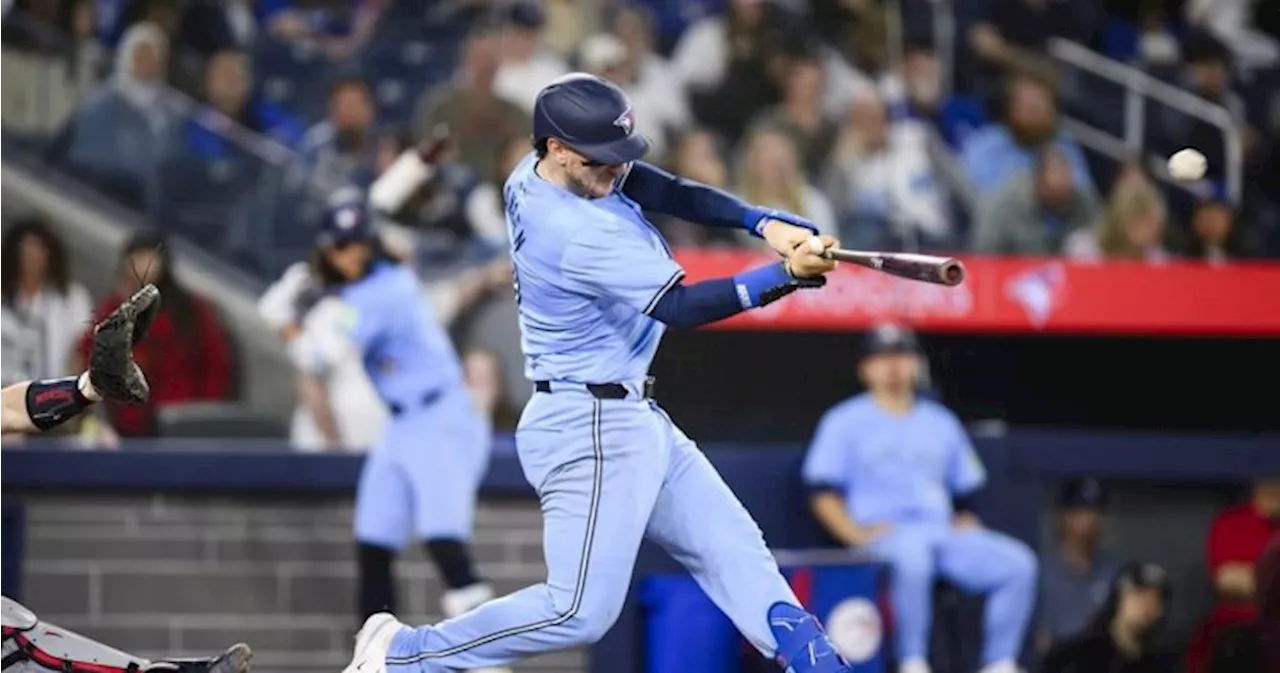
425 401
600 391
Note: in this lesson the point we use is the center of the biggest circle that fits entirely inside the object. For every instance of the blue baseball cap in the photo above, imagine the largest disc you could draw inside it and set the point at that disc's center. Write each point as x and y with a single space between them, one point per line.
1084 493
345 222
591 115
890 338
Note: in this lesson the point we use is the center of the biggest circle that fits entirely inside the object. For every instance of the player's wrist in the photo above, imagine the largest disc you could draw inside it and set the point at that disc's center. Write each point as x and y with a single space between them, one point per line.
85 387
764 285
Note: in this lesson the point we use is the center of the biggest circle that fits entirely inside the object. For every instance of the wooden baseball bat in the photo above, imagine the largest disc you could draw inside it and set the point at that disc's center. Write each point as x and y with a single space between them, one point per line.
926 268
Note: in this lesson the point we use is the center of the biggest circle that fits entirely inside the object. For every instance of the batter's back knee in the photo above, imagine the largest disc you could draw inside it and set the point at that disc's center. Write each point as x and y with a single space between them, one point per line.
592 618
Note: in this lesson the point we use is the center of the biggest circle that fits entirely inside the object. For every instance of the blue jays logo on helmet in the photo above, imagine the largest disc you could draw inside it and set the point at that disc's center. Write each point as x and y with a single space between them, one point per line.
626 122
591 115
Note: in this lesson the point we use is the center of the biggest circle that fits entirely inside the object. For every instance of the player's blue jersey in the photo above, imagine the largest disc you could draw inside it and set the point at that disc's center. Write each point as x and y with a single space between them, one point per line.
406 351
587 273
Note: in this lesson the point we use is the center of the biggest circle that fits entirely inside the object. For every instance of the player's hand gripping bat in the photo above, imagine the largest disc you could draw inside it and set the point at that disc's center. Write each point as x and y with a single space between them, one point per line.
927 268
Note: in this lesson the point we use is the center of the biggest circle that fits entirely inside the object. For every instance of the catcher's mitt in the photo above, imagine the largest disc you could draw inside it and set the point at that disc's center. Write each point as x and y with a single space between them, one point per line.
112 370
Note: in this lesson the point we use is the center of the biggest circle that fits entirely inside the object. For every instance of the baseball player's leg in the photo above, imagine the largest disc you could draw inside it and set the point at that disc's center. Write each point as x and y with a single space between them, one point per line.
597 480
38 646
701 523
384 506
445 471
984 561
909 550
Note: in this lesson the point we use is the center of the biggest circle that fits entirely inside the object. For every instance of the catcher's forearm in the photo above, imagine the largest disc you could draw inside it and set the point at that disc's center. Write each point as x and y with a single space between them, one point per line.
36 406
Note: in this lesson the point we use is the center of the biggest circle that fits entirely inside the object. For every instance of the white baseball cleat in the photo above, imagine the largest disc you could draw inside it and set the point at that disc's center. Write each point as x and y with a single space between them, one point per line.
372 643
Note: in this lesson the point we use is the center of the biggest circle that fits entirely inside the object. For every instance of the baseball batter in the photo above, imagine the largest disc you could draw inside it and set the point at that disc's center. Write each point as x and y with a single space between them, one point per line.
29 643
596 287
423 474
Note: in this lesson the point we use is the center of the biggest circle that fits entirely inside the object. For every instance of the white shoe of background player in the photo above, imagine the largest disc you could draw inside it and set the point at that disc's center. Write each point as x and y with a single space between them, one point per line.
372 643
914 666
458 601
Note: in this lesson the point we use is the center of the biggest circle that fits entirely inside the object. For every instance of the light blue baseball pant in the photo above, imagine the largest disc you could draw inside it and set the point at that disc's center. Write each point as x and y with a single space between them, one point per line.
423 475
609 473
978 561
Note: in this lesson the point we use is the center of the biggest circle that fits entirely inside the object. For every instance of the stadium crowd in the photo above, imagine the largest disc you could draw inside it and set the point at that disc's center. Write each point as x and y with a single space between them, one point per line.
227 122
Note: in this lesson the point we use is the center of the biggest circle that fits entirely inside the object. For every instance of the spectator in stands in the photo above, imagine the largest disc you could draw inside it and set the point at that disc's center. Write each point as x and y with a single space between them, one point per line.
731 64
117 138
483 371
1120 639
1236 541
194 29
1015 33
698 156
1132 228
1033 213
187 356
228 95
343 148
1215 236
953 115
479 121
774 178
800 114
881 180
1207 73
1232 22
338 28
1255 645
1147 39
856 64
1075 576
660 111
894 474
527 65
485 204
36 26
995 154
633 24
41 301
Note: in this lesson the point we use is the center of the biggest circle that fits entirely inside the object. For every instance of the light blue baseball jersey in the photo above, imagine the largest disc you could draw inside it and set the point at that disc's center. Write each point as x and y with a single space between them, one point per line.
587 273
894 468
406 351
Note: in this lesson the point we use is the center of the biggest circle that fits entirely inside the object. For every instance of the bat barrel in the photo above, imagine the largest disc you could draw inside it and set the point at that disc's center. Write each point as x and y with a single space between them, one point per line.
951 272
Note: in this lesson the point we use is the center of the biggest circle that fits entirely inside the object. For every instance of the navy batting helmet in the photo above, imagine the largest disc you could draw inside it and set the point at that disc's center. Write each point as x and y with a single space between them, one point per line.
346 219
591 115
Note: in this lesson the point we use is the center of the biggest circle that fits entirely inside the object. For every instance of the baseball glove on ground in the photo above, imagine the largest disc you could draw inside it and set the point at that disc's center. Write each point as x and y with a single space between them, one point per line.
112 370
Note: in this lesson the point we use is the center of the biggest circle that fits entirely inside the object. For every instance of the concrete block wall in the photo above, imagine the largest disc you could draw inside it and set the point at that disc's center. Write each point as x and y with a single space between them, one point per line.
163 575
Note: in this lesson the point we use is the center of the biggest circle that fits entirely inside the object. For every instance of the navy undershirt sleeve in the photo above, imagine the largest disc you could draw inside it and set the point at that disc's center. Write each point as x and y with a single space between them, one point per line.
661 192
690 306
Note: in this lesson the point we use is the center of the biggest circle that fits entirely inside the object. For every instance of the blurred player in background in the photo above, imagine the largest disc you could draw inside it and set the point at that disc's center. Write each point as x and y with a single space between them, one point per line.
596 287
895 474
423 474
338 409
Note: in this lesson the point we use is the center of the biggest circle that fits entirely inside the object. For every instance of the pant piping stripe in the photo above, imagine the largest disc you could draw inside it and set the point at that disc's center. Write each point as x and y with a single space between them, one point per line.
584 564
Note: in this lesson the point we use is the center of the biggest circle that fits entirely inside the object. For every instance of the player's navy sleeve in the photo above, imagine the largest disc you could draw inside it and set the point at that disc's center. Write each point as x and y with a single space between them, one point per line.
825 464
690 306
661 192
611 260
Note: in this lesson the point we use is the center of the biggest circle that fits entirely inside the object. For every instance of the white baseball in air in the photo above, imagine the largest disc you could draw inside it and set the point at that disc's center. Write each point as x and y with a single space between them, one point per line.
815 244
1187 164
